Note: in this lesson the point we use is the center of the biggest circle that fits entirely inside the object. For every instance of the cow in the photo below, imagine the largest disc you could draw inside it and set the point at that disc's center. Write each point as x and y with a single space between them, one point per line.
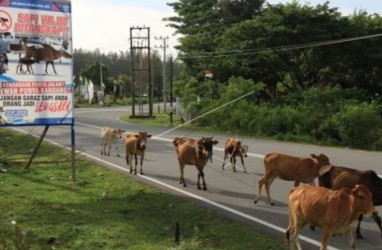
28 63
234 148
194 152
46 53
333 211
290 168
109 136
335 177
135 145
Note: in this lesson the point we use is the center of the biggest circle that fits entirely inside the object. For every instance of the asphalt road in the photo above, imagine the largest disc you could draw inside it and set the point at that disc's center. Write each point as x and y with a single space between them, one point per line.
230 194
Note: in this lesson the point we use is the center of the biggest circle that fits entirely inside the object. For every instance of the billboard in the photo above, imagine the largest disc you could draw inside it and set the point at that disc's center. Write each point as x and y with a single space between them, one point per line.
36 87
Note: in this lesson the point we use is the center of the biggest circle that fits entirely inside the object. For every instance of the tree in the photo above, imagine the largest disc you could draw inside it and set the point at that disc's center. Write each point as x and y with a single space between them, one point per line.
201 24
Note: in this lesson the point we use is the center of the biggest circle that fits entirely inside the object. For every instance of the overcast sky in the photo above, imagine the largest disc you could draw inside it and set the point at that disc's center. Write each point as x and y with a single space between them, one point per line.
105 24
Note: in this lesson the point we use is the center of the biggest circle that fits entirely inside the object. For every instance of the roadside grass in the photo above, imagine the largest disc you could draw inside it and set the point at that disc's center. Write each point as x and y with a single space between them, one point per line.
41 208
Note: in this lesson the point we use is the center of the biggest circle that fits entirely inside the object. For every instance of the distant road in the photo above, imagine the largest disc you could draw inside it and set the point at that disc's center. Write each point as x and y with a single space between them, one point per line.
229 193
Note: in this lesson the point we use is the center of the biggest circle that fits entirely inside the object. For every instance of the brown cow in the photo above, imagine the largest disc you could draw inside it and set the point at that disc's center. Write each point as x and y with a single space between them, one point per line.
109 136
333 211
234 148
46 53
135 144
290 168
335 178
194 152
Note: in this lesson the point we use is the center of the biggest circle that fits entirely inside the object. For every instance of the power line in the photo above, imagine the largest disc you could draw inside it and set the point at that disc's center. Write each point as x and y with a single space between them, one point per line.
280 48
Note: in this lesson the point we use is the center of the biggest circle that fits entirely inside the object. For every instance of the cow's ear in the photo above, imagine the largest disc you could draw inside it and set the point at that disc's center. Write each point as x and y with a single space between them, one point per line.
149 136
313 156
215 142
136 136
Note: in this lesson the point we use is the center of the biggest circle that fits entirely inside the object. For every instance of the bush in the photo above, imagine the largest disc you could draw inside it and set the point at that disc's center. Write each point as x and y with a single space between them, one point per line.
333 116
359 126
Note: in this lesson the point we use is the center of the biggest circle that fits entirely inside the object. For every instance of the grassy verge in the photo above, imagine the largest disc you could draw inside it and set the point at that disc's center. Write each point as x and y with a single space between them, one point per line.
40 208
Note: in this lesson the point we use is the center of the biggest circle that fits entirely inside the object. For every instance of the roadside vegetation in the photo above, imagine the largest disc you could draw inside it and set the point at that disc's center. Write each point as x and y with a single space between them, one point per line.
41 208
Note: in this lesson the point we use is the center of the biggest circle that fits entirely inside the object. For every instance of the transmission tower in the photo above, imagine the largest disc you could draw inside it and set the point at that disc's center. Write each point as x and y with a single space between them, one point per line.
141 78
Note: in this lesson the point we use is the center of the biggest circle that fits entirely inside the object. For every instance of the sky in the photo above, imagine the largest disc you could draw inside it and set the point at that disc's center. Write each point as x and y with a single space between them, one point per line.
105 24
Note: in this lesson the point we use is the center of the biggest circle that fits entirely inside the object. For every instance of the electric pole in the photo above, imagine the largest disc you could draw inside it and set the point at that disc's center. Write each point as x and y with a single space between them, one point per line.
164 46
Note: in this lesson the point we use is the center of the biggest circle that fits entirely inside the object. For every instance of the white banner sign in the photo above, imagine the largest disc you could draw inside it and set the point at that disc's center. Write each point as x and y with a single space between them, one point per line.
36 87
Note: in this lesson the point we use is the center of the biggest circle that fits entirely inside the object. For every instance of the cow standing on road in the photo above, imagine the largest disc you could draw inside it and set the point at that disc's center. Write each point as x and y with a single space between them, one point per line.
135 145
234 148
335 178
109 136
290 168
333 211
194 152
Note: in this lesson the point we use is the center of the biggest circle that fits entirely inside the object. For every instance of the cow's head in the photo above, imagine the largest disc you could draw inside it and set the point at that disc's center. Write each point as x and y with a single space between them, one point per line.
143 136
363 198
243 149
320 160
65 54
119 132
206 146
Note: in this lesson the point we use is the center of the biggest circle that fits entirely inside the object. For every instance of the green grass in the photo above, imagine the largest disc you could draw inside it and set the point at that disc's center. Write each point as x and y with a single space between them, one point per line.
41 208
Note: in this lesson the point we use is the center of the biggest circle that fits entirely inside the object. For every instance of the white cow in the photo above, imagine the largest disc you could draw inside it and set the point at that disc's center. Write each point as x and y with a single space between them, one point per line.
109 136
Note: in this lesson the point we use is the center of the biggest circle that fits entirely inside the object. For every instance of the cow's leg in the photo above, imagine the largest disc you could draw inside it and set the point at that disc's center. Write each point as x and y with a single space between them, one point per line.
102 147
127 158
136 163
54 68
225 157
108 153
141 163
242 162
131 162
296 183
350 238
233 161
204 183
267 189
358 228
377 220
295 235
261 184
201 175
198 184
375 217
326 234
116 148
181 178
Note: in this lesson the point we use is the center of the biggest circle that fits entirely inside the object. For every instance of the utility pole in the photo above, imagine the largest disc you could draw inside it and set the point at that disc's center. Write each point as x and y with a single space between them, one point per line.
164 46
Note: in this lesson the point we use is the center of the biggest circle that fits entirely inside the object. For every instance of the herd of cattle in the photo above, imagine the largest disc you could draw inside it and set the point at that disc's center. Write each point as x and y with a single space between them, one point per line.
343 195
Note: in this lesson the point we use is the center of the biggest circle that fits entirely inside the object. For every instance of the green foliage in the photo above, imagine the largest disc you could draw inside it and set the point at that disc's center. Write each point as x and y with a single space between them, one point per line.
359 126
